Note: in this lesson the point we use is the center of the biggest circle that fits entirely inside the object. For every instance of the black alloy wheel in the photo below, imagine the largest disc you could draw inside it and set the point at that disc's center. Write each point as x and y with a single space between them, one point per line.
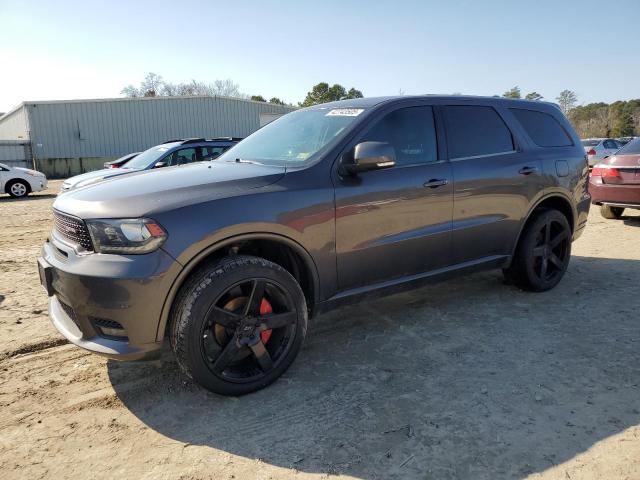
238 324
543 252
550 254
243 338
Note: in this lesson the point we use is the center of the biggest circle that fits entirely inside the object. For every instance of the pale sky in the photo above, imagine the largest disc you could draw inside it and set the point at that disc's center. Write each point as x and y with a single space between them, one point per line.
55 50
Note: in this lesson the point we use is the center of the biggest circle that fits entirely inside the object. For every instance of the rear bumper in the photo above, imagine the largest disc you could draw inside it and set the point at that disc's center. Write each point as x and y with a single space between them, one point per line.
611 194
88 292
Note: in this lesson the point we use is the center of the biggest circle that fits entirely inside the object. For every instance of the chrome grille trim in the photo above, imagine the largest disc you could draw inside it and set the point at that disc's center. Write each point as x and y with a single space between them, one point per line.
72 229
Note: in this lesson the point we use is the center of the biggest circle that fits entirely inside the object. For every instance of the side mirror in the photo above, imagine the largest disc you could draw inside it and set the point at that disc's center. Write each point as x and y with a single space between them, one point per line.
367 156
160 165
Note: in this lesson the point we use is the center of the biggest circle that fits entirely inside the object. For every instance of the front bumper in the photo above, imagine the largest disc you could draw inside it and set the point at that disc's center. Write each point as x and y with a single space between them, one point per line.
38 184
89 290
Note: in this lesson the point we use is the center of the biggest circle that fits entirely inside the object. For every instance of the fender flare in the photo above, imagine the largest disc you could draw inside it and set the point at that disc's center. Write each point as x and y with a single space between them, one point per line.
197 258
535 205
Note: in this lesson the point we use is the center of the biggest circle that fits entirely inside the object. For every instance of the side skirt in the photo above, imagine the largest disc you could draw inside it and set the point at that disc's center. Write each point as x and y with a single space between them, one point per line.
411 282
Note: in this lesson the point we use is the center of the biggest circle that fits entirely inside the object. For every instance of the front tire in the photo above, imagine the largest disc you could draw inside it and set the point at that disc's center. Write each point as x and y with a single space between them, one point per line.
611 213
18 188
543 253
238 325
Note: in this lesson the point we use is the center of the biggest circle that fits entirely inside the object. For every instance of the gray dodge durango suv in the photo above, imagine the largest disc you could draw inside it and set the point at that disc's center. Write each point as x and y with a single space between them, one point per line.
229 259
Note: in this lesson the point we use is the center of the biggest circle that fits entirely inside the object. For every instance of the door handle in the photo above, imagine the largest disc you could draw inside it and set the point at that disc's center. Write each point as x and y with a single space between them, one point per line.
527 170
436 182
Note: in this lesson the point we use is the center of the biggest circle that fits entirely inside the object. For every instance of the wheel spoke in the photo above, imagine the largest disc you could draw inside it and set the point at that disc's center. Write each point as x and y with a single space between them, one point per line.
261 354
547 233
255 298
278 320
558 238
553 258
227 355
543 268
223 317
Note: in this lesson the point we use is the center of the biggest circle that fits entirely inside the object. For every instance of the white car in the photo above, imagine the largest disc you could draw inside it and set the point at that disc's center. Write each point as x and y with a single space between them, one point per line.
599 148
20 182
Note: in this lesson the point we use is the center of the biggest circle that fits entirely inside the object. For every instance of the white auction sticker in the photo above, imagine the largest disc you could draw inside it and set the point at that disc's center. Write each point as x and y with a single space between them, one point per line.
345 112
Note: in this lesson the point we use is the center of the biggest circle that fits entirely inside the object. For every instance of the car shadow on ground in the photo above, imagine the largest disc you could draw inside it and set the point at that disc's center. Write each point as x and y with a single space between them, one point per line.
632 221
465 379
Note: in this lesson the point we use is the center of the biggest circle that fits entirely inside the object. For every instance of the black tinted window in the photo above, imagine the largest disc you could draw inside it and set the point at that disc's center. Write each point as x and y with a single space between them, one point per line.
544 130
180 157
475 130
612 144
411 131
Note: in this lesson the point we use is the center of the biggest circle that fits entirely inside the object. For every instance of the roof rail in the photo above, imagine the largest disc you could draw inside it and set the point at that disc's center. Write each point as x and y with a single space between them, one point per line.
172 141
229 139
193 140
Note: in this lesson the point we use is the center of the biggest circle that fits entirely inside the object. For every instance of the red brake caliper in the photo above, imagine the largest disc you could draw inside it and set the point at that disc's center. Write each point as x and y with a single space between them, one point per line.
265 309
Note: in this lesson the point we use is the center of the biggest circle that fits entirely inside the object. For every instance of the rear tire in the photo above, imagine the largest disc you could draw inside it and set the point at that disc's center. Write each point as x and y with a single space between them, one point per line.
543 252
612 213
238 324
18 188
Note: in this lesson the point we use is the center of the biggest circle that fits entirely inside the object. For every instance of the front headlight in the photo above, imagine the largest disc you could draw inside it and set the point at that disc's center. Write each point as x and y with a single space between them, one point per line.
127 236
33 173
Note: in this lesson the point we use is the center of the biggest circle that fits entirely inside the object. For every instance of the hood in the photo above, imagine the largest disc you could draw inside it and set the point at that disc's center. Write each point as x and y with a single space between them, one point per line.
26 170
151 191
621 161
104 173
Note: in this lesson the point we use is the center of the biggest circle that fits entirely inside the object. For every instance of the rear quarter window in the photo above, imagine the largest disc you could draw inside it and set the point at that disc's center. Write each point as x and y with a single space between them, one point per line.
542 128
476 131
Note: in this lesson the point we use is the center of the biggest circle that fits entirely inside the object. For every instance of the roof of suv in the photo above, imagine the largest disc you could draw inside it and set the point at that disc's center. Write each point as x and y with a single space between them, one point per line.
373 101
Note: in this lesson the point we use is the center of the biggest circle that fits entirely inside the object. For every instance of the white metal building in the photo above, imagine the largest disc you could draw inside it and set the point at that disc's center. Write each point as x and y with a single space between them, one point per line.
67 137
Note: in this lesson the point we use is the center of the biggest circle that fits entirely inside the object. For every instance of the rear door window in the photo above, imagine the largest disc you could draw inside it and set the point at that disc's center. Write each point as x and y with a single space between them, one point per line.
544 130
412 133
476 131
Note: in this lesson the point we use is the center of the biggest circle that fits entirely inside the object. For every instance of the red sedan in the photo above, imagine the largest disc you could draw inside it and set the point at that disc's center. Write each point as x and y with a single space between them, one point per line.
614 183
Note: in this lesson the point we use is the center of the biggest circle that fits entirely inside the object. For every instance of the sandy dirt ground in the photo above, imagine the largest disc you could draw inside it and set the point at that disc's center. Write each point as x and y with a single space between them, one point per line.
469 378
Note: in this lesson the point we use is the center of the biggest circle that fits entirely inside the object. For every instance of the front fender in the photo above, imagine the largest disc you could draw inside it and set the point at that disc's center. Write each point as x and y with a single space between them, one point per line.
196 260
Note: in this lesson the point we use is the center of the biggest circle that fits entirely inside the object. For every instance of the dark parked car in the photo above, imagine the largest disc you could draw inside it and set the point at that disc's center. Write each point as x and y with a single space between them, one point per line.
167 154
614 183
120 161
229 259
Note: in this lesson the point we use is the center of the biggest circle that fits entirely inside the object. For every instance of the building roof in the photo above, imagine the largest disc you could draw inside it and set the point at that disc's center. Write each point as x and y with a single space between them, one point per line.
133 99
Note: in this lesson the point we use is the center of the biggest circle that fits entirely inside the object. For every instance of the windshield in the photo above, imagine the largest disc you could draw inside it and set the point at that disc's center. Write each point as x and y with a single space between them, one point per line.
631 148
590 143
295 137
149 157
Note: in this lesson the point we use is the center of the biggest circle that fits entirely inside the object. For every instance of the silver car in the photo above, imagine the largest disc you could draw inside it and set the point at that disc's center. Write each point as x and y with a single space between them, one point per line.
599 148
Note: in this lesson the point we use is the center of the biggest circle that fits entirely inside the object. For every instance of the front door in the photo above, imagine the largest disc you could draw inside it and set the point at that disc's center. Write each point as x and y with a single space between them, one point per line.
495 182
396 222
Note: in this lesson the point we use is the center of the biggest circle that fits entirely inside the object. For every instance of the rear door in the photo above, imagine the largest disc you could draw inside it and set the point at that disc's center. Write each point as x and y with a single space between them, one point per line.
4 173
495 181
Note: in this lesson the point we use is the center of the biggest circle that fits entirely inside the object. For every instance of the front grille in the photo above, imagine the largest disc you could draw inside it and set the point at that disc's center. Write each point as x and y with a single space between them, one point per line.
73 229
103 322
